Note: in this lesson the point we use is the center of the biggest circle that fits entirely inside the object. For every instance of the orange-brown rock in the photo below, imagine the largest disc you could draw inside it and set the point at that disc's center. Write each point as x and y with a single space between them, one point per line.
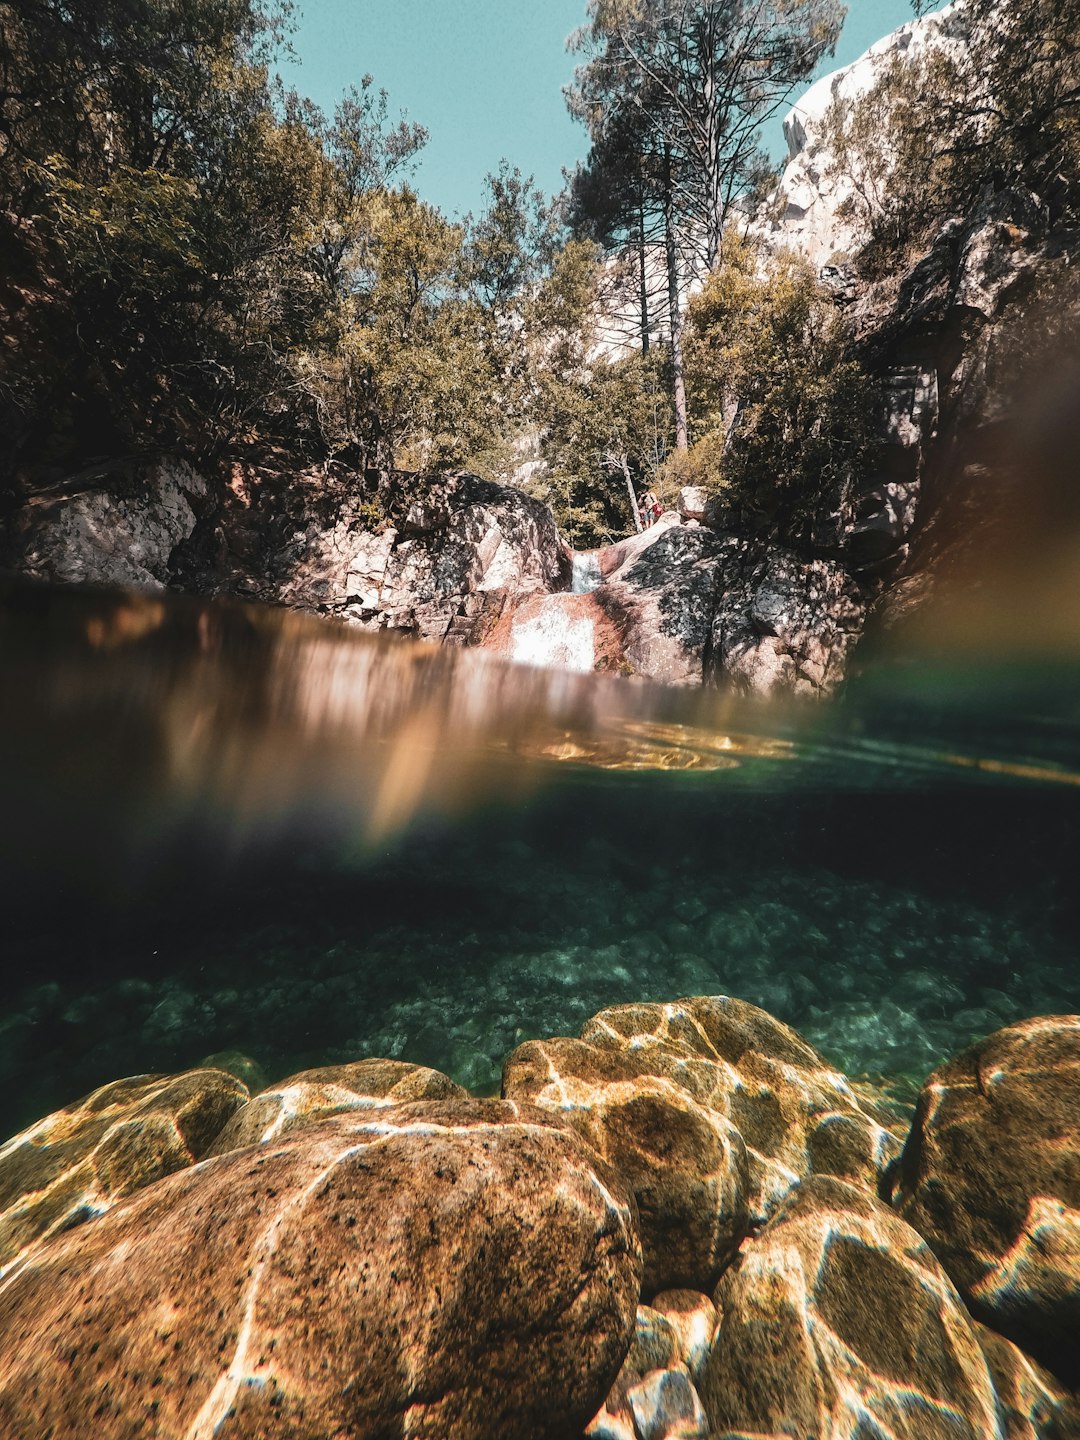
331 1090
712 1110
454 1270
79 1161
990 1176
838 1321
1033 1405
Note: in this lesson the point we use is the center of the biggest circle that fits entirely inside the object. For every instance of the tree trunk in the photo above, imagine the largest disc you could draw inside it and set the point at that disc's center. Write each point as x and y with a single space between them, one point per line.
714 206
678 386
643 293
625 468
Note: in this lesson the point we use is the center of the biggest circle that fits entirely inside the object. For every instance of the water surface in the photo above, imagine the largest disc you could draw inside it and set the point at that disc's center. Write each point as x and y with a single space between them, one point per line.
236 829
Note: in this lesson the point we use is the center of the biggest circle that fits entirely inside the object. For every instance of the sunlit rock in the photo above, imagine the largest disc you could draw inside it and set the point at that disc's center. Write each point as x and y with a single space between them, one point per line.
712 1110
1033 1404
693 1318
783 625
460 1269
79 1161
991 1177
662 596
331 1090
819 208
446 571
566 632
838 1321
116 528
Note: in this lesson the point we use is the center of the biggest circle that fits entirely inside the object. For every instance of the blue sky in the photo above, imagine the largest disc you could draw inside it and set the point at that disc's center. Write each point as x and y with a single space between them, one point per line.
484 76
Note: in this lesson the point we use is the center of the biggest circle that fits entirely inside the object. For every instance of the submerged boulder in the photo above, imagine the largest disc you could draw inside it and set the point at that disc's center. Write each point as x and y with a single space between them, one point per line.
712 1110
331 1090
79 1161
990 1175
837 1320
450 1269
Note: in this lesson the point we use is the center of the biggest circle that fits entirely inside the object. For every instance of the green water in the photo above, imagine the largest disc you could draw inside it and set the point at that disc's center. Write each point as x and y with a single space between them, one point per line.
214 839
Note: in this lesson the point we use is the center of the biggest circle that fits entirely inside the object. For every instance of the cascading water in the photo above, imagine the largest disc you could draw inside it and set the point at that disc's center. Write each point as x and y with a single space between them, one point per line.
586 573
555 630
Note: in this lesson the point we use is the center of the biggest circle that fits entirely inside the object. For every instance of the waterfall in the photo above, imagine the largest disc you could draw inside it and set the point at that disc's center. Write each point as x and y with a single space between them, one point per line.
586 573
553 631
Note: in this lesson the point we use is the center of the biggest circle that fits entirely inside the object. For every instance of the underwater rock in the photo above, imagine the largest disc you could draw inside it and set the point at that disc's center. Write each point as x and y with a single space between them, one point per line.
1033 1404
330 1090
655 1345
837 1320
460 1269
712 1110
665 1406
693 1317
652 1119
990 1175
79 1161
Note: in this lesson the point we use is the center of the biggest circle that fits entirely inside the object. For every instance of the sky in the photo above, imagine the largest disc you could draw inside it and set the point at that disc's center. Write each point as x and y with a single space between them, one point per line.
484 77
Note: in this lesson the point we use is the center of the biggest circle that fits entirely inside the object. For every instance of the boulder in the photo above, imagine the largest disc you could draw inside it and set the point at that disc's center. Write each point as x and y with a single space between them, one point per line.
660 589
693 1318
79 1161
838 1321
331 1090
782 625
693 500
119 527
445 571
694 606
653 1397
1033 1405
712 1111
451 1269
990 1175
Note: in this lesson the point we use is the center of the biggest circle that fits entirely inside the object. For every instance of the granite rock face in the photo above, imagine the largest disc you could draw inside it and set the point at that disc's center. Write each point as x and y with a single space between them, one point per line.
712 1111
121 529
445 569
331 1090
697 606
990 1175
818 209
79 1161
783 624
838 1321
450 1269
660 588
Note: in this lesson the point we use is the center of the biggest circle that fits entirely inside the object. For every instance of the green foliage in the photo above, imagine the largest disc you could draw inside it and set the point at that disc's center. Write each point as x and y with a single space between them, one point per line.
605 424
784 413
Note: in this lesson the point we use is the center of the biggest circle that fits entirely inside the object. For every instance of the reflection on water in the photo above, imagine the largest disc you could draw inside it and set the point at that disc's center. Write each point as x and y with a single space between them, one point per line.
234 828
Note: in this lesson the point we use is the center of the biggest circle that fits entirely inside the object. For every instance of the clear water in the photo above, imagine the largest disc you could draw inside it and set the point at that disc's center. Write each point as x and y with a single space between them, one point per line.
228 829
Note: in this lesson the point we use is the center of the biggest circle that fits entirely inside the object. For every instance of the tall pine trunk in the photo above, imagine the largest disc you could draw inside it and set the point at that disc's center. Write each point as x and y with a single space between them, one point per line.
678 384
643 279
